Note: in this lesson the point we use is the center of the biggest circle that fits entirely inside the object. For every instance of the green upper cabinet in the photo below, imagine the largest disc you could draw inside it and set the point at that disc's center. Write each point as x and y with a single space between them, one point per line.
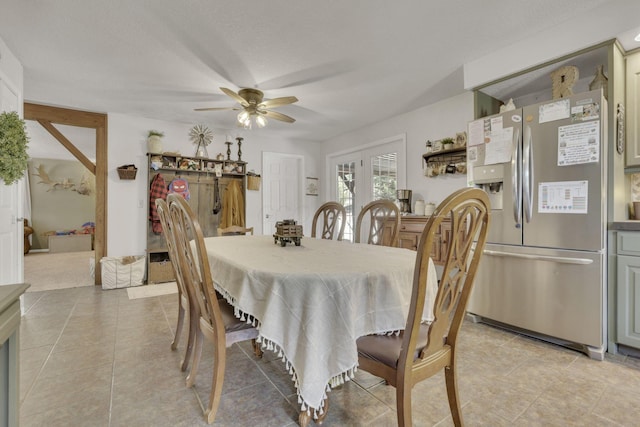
632 124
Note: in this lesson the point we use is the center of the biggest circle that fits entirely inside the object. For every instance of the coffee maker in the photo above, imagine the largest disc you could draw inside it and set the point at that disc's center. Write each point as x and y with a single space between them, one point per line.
404 200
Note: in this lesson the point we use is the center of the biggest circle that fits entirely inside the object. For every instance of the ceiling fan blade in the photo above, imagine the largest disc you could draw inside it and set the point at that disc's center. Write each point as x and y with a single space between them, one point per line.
278 116
215 109
235 96
276 102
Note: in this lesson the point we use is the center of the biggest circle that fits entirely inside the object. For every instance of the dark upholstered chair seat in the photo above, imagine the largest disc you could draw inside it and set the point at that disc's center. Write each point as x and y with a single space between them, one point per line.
386 349
231 322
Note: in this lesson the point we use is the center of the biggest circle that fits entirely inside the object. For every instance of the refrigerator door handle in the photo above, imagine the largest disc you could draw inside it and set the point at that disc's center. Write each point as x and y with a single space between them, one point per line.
561 260
516 174
527 173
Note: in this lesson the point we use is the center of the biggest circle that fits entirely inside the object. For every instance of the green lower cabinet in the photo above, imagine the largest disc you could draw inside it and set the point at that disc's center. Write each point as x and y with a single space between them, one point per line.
628 322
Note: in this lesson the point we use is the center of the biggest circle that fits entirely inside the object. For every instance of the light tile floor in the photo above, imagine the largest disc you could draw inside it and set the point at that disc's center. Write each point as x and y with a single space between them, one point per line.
95 358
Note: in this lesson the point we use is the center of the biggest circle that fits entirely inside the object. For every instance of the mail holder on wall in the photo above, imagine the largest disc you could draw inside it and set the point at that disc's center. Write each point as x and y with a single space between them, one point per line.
127 171
253 181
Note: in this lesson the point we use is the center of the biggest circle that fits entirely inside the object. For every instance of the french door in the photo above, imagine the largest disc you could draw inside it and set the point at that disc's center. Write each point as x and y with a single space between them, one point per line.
371 173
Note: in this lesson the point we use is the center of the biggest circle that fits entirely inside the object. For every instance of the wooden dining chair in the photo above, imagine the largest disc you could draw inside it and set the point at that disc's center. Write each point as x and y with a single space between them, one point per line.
234 230
334 219
423 349
216 320
377 214
185 297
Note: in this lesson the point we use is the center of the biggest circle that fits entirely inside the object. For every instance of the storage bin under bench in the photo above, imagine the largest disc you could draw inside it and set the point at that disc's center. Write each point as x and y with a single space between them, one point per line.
69 243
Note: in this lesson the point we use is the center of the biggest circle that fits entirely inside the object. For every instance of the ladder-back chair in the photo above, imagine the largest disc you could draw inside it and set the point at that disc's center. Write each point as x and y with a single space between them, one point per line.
217 322
424 349
377 213
334 219
185 299
235 230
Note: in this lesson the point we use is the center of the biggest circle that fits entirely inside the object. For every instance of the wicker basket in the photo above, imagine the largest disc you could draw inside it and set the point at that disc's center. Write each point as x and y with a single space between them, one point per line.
253 182
127 173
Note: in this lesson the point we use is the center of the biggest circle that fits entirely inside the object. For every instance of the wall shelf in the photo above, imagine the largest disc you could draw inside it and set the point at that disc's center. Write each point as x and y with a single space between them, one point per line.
457 154
179 163
451 161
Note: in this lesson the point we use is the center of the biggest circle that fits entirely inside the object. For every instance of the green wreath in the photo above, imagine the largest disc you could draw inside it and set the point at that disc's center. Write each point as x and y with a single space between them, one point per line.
13 147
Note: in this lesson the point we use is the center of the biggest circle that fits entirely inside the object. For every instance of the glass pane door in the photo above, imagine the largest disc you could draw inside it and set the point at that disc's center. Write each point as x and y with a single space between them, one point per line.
384 176
354 186
345 173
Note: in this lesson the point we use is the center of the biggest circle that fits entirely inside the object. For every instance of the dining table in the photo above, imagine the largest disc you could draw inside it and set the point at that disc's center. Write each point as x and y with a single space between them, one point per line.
312 302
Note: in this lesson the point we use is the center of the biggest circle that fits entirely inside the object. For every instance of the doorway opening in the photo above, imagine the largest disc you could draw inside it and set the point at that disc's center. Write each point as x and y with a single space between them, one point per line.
48 117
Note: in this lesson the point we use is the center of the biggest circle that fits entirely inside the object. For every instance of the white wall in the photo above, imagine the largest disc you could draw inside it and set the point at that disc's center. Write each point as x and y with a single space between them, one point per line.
127 200
436 121
592 28
44 146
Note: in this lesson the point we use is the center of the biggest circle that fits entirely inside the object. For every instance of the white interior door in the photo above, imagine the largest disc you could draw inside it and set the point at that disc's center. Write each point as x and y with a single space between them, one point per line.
11 225
282 189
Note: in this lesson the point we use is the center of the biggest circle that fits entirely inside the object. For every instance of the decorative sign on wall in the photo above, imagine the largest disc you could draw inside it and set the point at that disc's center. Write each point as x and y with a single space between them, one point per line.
311 186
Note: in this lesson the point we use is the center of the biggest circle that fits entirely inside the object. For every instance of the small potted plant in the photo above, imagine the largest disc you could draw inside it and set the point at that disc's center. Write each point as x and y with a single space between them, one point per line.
154 141
447 143
13 147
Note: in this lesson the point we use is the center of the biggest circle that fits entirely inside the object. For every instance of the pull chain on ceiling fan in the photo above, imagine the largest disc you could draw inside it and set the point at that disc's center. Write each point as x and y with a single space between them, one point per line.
254 109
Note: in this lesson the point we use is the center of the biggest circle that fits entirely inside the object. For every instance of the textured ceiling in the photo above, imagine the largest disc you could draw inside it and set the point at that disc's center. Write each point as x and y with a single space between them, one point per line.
350 63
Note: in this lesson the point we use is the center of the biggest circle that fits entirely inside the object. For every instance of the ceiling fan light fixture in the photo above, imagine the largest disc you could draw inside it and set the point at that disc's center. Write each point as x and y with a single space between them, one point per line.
243 116
261 121
254 109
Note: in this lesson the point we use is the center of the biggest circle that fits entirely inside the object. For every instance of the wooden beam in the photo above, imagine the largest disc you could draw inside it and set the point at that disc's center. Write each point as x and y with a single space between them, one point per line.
64 116
68 145
102 167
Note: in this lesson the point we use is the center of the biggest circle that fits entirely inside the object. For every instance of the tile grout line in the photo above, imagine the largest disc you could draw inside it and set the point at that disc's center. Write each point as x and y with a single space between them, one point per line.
66 322
255 362
113 365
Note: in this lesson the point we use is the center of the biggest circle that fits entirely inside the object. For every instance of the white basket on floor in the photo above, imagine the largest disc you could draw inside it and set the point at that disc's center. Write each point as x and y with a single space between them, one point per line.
117 272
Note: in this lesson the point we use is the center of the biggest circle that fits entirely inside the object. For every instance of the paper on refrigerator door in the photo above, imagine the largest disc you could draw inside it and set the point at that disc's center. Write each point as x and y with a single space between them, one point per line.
567 197
579 143
499 146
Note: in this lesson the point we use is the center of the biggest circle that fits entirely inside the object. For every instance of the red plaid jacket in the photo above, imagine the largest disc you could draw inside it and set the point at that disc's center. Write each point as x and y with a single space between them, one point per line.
158 190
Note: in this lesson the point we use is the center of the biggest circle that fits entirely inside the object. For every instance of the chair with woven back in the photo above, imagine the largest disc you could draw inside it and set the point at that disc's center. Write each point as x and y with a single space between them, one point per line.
185 299
376 214
423 349
216 320
234 230
334 219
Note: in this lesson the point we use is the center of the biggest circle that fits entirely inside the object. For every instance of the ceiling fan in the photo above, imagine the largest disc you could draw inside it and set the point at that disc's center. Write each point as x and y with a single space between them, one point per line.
253 107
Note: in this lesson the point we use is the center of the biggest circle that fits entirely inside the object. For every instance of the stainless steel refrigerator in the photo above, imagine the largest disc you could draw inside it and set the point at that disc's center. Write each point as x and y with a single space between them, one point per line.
543 268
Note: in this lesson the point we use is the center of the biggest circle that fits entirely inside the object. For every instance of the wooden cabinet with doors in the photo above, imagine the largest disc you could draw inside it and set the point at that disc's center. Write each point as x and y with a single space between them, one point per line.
205 195
411 228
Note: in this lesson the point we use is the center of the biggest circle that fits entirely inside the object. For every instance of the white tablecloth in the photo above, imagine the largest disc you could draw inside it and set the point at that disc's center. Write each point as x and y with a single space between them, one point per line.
311 302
